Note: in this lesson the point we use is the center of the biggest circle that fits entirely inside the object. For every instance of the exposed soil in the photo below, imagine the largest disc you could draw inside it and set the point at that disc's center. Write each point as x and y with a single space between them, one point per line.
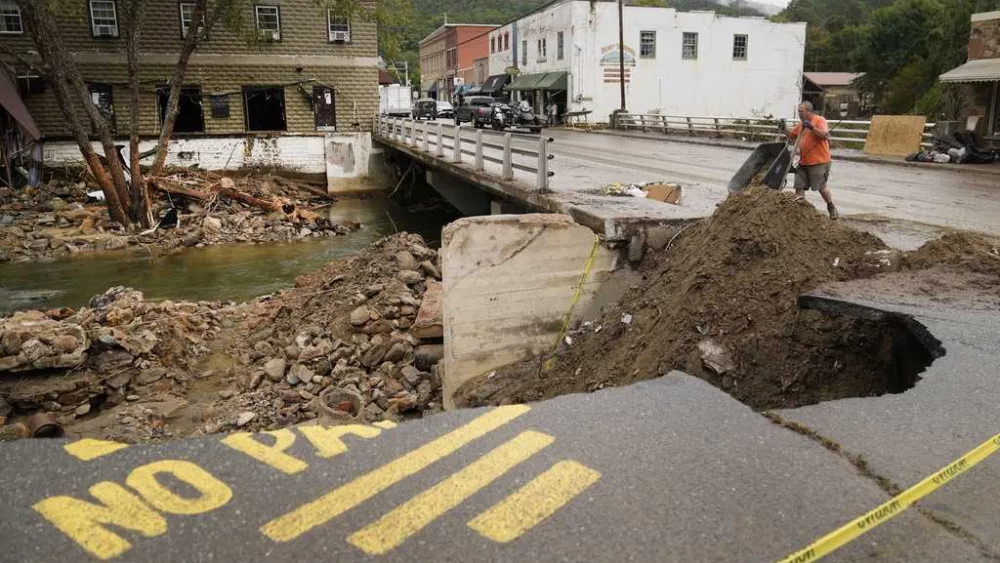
337 346
720 303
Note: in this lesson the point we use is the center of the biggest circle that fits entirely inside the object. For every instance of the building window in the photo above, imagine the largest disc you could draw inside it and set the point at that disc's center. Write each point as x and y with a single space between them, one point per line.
647 44
100 94
560 46
10 17
339 28
689 47
542 48
493 44
268 19
524 52
506 41
451 58
190 113
264 108
187 17
103 18
740 47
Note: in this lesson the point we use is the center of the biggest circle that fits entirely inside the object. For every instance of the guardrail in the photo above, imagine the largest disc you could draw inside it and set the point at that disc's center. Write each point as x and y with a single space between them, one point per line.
455 143
749 128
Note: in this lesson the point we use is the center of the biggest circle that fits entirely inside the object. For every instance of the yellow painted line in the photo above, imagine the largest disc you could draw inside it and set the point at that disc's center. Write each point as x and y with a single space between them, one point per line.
883 513
385 424
336 502
89 449
540 498
390 531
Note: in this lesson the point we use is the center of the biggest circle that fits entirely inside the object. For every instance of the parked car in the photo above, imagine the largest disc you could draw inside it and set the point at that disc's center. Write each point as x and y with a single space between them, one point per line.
445 110
477 110
425 109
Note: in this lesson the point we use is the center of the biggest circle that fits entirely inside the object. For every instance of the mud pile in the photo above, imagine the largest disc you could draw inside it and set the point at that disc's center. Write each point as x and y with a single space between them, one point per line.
720 303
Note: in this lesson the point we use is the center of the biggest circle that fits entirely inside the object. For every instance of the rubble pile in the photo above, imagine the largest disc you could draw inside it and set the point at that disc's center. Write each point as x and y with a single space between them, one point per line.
349 343
342 344
720 303
120 348
191 207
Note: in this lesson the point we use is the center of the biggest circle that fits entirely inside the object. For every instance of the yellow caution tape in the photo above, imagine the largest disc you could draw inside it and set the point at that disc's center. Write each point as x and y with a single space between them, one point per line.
867 522
576 297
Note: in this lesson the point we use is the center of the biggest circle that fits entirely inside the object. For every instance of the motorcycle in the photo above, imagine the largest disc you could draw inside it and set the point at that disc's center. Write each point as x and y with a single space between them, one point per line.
502 117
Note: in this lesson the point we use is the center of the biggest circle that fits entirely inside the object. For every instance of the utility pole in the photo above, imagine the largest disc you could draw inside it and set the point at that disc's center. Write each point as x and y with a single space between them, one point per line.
621 52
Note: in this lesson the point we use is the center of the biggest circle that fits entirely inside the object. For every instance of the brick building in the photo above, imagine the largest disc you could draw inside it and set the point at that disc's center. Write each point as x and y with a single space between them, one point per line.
980 77
448 58
297 69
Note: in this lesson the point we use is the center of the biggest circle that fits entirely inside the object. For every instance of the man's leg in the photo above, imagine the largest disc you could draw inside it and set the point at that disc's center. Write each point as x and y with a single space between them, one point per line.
801 181
824 190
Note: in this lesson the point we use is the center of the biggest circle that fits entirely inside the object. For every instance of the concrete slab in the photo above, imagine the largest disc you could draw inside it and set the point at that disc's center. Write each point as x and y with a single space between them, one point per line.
509 283
429 323
686 473
952 409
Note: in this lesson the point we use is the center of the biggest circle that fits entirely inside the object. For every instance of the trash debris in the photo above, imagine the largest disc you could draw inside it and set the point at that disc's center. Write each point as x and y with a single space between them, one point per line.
626 319
660 191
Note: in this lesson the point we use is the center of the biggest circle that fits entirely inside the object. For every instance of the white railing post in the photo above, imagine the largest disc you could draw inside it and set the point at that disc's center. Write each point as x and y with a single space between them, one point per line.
440 145
543 163
479 150
427 135
413 132
508 157
456 156
642 121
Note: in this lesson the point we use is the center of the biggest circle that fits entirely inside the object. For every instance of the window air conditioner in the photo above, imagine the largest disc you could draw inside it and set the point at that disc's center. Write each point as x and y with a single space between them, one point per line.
340 36
105 31
270 35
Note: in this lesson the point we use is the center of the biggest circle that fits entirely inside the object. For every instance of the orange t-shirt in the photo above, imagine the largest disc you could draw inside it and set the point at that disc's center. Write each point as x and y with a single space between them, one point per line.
813 149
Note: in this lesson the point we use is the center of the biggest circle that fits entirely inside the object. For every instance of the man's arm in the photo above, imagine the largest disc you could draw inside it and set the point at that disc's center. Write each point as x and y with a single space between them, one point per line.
823 131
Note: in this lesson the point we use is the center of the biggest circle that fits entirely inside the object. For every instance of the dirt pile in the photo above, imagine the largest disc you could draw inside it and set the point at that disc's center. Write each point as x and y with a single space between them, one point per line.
193 208
958 251
720 303
337 347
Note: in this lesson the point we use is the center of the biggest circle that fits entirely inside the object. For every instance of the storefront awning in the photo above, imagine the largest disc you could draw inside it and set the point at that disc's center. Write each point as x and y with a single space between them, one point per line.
11 101
983 70
474 90
495 84
541 81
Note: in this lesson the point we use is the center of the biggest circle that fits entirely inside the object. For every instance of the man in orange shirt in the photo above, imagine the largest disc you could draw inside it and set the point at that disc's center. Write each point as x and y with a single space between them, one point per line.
814 164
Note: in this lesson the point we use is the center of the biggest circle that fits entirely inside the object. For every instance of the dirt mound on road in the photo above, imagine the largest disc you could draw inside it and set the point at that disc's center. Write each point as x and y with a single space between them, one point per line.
720 303
964 251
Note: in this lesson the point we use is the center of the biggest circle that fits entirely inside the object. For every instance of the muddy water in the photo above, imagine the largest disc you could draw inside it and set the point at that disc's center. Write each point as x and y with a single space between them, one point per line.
215 273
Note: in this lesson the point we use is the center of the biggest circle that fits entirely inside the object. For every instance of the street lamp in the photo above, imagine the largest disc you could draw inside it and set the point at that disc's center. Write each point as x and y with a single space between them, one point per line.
621 52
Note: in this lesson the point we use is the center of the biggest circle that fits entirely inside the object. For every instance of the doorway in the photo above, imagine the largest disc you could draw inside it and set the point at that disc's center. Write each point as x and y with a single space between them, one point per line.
324 107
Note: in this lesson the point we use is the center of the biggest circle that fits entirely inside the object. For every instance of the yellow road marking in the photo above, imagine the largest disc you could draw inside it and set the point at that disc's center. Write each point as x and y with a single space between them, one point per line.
270 455
394 528
83 521
385 424
327 440
88 449
540 498
340 500
213 493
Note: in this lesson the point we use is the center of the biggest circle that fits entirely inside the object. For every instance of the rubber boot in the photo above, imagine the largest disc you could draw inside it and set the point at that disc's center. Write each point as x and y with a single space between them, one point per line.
834 214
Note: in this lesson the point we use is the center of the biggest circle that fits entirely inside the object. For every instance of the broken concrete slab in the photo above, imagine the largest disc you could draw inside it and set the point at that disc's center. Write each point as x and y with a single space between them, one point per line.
509 283
429 323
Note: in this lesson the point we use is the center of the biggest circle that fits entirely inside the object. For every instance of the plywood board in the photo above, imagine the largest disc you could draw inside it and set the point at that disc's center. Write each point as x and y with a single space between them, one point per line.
895 135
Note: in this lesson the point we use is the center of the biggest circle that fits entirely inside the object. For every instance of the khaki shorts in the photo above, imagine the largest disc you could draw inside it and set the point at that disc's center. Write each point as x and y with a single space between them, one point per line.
812 177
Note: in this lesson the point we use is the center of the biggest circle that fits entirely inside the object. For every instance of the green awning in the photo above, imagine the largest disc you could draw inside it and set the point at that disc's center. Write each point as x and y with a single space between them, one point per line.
553 81
525 81
540 81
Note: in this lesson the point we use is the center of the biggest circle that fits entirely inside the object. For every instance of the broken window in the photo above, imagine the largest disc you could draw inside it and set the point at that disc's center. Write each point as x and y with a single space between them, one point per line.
264 108
339 28
647 44
103 18
100 94
689 47
740 47
190 115
268 20
10 18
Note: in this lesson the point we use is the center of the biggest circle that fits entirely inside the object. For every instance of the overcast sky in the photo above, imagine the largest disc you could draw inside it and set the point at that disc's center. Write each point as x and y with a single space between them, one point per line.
781 3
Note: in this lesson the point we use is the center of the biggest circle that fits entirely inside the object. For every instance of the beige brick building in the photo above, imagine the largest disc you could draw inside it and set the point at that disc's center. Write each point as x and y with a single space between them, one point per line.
296 69
979 78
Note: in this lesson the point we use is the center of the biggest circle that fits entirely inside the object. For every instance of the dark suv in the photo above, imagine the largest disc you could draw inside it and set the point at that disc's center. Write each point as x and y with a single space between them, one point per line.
425 109
477 110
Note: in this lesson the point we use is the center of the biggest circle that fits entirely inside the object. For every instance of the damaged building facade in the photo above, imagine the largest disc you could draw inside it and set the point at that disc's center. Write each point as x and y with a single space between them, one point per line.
979 78
296 89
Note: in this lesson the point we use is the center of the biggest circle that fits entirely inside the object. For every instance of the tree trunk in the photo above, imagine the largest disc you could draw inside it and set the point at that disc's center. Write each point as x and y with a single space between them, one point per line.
54 56
199 20
140 211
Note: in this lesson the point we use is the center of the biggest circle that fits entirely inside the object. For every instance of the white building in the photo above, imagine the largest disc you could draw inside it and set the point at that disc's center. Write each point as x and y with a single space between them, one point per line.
676 63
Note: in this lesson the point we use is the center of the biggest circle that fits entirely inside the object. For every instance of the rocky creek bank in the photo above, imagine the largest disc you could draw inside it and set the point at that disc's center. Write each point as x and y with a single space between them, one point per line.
357 341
